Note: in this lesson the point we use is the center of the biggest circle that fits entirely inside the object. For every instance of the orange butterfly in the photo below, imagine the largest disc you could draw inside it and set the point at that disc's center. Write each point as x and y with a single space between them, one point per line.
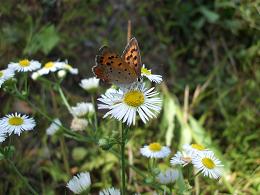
119 70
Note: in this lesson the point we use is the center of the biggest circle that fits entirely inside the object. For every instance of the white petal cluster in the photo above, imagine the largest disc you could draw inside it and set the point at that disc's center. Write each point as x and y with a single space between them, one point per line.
54 127
78 124
180 158
2 137
5 75
79 183
90 84
82 109
110 191
169 176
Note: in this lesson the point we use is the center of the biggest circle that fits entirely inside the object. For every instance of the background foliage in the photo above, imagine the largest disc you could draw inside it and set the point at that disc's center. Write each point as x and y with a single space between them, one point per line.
208 49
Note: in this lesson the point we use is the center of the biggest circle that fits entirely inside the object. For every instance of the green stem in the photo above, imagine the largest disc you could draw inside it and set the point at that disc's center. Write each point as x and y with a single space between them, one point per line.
171 188
197 185
122 144
22 177
64 154
26 84
228 186
64 99
95 114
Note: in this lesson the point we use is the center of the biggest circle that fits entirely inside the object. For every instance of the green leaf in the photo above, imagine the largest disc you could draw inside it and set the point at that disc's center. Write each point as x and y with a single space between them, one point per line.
9 151
169 116
210 15
48 39
2 156
181 186
44 40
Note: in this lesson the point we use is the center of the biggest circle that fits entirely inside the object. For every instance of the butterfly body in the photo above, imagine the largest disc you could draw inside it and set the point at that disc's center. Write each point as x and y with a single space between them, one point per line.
112 68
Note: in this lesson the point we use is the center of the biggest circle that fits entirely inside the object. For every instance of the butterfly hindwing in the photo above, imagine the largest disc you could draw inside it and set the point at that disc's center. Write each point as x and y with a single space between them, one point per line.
113 69
132 56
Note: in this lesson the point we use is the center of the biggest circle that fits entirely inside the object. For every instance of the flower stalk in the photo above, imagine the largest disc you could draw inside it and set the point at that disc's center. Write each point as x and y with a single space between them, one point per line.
65 101
32 190
122 148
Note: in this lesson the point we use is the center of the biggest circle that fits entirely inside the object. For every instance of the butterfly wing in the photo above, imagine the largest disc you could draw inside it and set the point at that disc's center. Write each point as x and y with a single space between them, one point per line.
113 69
132 56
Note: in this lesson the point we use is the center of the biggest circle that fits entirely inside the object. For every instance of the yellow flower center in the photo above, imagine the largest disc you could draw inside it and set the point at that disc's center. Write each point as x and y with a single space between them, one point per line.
16 121
24 62
197 146
49 65
1 74
134 98
146 71
207 162
155 147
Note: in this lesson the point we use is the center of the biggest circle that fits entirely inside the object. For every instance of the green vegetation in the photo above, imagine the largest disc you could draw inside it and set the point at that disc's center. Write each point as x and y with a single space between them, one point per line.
208 53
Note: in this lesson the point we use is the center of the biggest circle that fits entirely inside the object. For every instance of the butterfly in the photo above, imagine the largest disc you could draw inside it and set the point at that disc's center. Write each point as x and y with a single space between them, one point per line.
124 70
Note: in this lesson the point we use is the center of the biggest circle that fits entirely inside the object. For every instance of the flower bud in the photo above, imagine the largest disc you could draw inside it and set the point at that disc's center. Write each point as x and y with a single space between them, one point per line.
62 74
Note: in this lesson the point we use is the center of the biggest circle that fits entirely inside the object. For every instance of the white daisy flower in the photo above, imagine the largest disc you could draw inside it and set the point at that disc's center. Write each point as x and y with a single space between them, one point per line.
152 77
5 75
2 137
155 150
124 104
25 65
110 191
82 109
50 67
90 84
168 176
181 158
78 124
16 123
208 164
54 127
193 149
79 183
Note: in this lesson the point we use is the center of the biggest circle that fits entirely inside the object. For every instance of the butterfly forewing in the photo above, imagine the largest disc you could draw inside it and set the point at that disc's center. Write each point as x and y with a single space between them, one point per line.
132 56
113 69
